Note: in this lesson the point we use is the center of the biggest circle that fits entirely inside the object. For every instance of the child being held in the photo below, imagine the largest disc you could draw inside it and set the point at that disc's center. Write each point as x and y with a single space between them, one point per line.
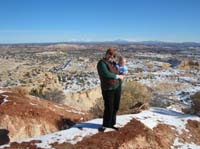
121 65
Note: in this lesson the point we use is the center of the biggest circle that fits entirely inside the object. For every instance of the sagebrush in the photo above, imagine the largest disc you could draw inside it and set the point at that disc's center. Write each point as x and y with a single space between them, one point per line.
196 103
19 90
133 94
54 95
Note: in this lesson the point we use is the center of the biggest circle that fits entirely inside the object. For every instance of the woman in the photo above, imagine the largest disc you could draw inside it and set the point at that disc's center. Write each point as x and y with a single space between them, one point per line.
110 87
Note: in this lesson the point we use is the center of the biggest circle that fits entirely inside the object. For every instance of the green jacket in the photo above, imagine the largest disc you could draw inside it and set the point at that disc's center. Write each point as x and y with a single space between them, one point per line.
108 75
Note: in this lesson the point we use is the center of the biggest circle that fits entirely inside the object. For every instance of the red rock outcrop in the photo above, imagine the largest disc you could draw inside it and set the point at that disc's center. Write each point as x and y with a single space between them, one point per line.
27 116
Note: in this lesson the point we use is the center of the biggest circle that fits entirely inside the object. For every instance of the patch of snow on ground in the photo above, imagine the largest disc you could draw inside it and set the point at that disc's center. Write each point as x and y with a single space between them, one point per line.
184 146
174 109
74 111
58 107
153 55
2 91
188 79
184 94
5 99
159 115
34 104
47 52
74 86
159 76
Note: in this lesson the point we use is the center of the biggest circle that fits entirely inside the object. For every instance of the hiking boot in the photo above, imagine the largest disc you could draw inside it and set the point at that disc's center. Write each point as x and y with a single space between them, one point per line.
115 128
102 129
106 129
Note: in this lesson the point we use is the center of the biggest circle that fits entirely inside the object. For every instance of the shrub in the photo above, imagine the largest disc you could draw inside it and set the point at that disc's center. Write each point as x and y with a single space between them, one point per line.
165 66
54 95
196 103
139 69
20 90
134 98
97 109
165 87
189 64
36 92
150 66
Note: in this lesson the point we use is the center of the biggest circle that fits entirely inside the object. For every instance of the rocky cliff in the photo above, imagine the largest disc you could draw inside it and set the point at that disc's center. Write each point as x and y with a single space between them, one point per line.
27 116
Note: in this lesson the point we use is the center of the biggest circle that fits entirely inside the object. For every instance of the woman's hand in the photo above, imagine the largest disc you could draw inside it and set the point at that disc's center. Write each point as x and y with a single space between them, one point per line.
121 77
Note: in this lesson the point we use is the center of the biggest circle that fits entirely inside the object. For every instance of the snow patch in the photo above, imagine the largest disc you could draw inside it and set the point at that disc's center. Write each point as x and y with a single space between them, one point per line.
74 111
34 104
5 99
2 91
184 146
58 107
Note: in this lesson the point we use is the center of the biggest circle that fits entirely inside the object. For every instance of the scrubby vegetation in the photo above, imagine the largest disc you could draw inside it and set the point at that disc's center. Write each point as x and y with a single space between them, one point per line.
188 64
54 95
164 87
195 107
135 97
19 90
196 103
97 109
134 94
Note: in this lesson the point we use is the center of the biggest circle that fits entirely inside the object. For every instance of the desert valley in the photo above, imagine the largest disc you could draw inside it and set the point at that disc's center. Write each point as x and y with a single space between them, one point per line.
50 96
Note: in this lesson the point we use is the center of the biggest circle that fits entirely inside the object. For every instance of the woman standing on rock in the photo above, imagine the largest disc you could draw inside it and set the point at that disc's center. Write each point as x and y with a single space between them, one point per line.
110 87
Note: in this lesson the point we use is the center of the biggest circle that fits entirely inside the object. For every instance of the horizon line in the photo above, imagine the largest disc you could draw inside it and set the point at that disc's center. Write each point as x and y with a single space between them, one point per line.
104 41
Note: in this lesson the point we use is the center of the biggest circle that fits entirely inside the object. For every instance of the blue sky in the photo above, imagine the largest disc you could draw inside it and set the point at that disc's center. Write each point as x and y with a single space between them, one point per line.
23 21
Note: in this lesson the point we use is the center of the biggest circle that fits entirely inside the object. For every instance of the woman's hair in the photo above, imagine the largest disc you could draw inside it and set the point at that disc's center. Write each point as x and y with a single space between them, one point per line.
112 51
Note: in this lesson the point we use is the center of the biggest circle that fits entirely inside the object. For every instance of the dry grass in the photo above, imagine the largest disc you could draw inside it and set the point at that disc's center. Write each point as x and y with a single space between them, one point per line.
139 69
165 66
133 94
149 66
196 102
164 87
189 64
97 109
55 95
19 90
134 98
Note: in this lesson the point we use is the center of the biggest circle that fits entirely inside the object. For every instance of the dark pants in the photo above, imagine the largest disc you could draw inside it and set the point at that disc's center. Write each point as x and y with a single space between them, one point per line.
111 105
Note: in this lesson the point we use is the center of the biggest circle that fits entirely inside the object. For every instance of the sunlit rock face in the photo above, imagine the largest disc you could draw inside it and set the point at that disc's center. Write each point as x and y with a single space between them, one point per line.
27 116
